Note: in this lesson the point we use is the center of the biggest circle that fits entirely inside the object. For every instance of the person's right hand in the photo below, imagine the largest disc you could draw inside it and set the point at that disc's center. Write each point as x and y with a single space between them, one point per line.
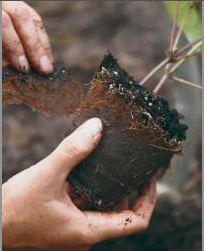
24 40
37 210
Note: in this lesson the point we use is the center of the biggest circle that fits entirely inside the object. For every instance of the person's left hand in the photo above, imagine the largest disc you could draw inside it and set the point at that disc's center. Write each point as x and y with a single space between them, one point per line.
37 210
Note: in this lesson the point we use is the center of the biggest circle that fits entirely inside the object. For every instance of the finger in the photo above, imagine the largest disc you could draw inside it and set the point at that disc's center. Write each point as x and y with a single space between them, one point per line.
123 205
73 149
119 224
43 37
11 44
147 198
25 25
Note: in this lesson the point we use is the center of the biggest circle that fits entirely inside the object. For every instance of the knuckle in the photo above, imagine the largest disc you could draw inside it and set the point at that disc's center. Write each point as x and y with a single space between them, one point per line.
76 148
38 22
6 21
22 14
37 19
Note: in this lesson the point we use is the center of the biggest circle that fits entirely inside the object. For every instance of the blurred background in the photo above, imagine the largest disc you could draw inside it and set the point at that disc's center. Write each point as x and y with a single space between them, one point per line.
137 33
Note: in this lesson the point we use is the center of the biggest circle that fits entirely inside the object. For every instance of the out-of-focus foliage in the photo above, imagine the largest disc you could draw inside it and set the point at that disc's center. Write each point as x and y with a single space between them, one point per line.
193 25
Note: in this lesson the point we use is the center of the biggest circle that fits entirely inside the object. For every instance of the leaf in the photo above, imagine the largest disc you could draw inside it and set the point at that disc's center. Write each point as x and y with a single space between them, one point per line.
193 25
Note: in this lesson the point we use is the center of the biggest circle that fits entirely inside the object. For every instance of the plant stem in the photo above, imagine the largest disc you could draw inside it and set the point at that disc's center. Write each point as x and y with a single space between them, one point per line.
188 56
176 66
166 62
175 55
156 69
173 27
189 45
160 84
181 29
185 82
167 75
171 46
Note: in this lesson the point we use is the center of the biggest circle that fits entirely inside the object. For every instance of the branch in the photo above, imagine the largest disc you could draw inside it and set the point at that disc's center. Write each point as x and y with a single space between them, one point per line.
189 45
156 69
168 74
182 81
188 56
191 52
173 27
160 84
181 28
174 55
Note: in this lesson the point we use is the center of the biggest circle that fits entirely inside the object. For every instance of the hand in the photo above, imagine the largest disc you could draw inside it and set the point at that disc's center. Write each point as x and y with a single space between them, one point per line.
37 210
24 39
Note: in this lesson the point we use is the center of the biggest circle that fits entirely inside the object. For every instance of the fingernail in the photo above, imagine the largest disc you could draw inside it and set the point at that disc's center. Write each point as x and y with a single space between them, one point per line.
85 137
93 126
46 65
23 63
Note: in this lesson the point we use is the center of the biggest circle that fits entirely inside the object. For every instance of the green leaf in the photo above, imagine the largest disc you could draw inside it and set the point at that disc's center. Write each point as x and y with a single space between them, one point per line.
193 25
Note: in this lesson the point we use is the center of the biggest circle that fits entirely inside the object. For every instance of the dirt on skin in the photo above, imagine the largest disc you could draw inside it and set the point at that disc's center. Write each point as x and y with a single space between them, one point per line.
137 33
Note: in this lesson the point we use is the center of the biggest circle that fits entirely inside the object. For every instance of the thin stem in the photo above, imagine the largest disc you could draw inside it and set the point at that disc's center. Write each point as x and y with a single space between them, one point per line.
189 45
160 84
176 66
156 69
188 56
166 62
181 29
173 27
185 82
169 74
174 55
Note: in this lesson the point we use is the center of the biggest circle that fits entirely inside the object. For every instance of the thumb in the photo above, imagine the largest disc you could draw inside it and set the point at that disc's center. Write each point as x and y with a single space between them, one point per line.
74 148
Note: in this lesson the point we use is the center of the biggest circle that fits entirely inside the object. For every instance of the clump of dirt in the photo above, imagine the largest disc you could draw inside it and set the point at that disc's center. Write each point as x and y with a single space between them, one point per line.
134 145
56 94
59 75
117 80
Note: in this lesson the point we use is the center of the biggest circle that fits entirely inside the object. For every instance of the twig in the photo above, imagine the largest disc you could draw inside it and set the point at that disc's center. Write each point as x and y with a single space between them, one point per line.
173 27
188 56
171 46
160 84
181 59
166 62
175 55
176 66
168 74
156 69
181 29
185 82
189 45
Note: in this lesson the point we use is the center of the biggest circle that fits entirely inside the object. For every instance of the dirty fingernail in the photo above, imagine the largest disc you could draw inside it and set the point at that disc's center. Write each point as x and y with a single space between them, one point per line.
23 63
45 64
95 126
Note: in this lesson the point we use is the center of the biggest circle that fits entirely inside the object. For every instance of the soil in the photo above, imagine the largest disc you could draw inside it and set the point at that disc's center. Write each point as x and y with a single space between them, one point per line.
56 94
137 33
137 149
